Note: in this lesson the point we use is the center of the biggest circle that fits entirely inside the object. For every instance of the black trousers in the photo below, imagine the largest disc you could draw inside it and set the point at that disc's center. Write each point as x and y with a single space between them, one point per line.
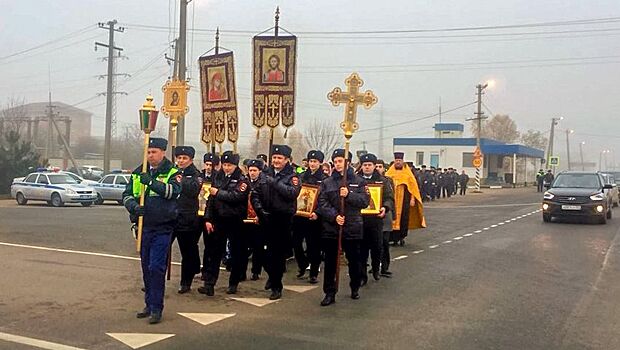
277 230
310 231
351 249
463 189
446 191
215 247
190 253
540 186
372 243
256 246
385 252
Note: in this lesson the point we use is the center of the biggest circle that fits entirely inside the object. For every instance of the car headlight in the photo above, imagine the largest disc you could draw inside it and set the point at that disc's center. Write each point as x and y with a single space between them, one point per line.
597 197
548 195
70 191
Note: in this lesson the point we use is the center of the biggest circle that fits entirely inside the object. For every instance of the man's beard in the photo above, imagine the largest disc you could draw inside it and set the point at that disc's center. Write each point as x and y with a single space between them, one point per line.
398 166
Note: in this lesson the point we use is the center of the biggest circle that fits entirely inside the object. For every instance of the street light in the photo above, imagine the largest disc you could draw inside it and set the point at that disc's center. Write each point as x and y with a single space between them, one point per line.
554 122
583 167
600 159
568 132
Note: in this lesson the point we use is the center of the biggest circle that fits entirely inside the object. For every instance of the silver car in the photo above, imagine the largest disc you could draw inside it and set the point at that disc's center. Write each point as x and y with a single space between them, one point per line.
614 192
54 188
111 187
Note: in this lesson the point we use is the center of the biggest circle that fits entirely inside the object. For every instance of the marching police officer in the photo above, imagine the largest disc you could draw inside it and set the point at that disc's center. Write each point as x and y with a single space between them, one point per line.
228 206
210 167
160 216
356 198
254 233
188 228
274 198
309 229
373 224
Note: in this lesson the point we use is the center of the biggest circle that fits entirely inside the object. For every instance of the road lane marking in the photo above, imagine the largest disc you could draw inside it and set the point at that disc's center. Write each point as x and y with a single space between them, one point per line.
493 226
205 318
400 257
468 234
300 289
41 344
447 242
478 231
260 302
486 206
434 246
500 223
418 251
457 238
487 228
138 340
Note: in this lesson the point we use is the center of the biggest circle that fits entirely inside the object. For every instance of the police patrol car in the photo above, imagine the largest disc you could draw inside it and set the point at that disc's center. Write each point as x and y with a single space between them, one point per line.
111 187
56 188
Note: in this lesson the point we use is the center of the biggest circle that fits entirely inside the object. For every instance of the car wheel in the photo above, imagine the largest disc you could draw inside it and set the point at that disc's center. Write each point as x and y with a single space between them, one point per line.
99 199
21 200
546 217
87 204
56 200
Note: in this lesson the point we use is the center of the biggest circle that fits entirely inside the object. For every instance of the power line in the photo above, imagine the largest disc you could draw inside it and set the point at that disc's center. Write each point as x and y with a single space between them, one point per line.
62 38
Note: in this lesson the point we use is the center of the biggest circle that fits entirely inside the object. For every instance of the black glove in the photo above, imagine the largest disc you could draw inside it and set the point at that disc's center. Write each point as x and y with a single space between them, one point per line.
145 178
139 210
270 180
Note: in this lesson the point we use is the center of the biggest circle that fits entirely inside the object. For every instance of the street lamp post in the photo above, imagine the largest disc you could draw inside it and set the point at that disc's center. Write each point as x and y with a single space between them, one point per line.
554 122
568 132
479 117
583 167
600 159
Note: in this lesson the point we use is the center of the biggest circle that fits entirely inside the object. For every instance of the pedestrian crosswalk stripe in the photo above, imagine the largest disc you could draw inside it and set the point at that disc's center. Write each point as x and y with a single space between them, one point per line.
138 340
40 344
300 289
260 302
206 318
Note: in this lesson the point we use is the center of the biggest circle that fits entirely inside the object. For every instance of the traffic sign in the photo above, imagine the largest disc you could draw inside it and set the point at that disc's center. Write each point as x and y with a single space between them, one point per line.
554 161
477 162
477 153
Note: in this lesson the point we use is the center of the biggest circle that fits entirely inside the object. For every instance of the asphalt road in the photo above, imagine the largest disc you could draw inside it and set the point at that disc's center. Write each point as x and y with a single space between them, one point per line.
486 274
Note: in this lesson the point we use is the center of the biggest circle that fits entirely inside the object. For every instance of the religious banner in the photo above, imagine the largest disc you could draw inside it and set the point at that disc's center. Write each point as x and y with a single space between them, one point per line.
219 99
275 59
175 99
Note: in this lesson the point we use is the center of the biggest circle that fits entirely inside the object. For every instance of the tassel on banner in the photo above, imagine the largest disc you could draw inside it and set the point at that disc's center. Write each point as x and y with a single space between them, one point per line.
285 132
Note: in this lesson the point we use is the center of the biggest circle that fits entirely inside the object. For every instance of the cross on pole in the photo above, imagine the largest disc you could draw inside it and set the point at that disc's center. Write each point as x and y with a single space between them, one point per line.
352 97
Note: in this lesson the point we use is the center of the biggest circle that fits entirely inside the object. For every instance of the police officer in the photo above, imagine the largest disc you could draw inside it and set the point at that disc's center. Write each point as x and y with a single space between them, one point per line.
228 206
309 229
274 198
254 233
356 198
188 228
388 200
373 224
210 167
160 216
540 178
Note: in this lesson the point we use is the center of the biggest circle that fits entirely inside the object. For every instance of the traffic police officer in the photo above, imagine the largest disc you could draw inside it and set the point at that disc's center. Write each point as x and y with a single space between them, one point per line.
274 198
188 228
356 198
228 206
160 216
309 229
253 232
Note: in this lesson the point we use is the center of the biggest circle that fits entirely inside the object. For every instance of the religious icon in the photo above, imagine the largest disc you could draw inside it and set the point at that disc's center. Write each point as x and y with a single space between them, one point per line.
274 66
307 200
376 200
203 198
175 98
217 84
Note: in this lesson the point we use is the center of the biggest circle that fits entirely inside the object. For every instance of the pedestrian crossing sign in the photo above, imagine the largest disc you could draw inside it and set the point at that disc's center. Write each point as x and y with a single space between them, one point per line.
554 161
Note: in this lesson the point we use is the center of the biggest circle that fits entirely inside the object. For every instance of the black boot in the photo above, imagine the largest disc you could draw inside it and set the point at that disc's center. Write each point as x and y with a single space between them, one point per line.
376 275
255 277
275 294
313 280
355 294
328 300
301 273
268 285
209 290
155 317
144 313
232 289
183 289
364 280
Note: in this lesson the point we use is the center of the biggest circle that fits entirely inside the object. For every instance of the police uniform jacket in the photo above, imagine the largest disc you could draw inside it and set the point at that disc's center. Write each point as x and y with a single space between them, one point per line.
388 193
187 204
231 199
276 194
308 178
160 197
329 205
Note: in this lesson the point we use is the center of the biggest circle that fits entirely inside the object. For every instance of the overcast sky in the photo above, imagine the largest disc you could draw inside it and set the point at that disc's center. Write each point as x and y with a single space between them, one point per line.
571 71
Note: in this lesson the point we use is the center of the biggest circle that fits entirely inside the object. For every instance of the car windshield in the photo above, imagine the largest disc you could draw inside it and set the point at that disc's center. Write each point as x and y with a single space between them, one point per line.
577 181
61 179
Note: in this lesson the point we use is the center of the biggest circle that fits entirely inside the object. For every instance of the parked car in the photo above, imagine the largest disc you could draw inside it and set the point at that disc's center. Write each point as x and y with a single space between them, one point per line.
55 188
578 194
614 192
92 172
111 187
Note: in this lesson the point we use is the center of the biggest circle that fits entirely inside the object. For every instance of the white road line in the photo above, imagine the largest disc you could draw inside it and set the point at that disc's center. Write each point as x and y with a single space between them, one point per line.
500 223
493 226
507 221
418 251
468 234
478 231
487 228
434 246
457 238
400 257
42 344
447 242
486 206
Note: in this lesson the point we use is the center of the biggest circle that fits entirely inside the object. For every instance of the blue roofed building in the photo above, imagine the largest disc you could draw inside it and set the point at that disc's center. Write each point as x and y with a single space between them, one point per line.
503 164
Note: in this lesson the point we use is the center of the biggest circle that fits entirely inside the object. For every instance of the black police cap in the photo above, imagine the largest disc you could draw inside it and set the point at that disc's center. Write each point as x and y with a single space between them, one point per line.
257 163
315 154
184 151
230 157
368 157
262 157
211 157
282 150
158 142
340 153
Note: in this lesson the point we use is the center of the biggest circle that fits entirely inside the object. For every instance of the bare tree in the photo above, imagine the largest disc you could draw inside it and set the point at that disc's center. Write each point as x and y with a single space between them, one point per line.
535 139
323 135
501 128
13 114
294 139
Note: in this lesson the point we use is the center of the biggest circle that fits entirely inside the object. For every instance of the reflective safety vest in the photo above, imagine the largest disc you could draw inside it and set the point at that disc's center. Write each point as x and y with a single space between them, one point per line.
136 184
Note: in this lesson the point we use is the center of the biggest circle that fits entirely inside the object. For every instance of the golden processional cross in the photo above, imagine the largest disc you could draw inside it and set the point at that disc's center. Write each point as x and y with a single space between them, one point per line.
352 98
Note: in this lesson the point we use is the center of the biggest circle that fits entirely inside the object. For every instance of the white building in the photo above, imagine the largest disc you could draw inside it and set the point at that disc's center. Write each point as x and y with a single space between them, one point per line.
449 148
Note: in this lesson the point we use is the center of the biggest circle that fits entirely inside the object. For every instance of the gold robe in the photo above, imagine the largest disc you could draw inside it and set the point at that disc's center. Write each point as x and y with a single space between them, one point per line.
404 180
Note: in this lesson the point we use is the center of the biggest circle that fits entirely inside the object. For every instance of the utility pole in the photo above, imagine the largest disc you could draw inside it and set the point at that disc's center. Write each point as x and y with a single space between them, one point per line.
110 89
180 73
554 122
568 132
479 117
583 167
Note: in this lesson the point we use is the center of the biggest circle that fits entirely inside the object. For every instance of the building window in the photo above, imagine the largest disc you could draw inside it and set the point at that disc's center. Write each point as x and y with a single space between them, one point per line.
419 158
468 159
434 160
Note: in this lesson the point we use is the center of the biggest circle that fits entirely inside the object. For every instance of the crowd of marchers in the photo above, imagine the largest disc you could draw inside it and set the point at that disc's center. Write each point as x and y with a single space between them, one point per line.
248 212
